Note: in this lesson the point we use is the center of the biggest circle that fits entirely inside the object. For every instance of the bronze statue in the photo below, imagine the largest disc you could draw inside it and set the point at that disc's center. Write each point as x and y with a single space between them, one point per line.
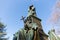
32 27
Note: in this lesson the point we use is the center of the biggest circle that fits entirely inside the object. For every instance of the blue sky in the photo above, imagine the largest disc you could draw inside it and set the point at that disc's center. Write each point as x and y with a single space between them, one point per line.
12 10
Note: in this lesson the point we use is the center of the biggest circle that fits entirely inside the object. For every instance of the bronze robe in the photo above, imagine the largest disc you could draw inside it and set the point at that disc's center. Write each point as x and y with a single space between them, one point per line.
31 35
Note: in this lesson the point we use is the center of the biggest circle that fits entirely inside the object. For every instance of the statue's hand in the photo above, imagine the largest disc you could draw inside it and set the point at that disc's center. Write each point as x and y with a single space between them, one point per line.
35 29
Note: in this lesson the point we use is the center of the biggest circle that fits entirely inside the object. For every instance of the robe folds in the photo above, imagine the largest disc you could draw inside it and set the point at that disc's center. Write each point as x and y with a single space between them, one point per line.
31 35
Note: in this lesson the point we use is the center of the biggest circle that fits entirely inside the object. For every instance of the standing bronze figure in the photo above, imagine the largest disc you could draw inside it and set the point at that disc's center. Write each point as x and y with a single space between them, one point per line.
32 27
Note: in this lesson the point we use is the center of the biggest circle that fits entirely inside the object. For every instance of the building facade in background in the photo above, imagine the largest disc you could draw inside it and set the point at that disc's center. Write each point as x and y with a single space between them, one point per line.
52 35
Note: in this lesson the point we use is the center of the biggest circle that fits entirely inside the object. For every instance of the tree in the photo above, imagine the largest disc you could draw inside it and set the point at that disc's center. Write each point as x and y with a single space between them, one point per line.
2 31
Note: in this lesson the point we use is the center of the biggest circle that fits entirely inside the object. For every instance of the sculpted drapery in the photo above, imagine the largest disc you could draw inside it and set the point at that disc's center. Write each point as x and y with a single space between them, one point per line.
32 33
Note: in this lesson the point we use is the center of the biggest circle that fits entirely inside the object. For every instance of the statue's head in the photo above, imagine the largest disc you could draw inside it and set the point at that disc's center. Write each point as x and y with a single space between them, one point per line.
32 8
31 11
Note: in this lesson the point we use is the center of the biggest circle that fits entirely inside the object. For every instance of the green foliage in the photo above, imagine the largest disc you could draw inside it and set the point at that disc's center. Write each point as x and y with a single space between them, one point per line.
2 31
2 25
